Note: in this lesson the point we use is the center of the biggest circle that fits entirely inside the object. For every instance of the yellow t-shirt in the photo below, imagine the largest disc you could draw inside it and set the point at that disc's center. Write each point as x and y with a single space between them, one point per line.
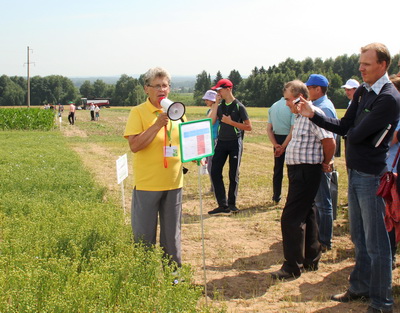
149 173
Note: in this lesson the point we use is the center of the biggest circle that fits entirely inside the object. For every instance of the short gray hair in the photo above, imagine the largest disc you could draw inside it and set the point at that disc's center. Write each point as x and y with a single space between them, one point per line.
156 72
297 87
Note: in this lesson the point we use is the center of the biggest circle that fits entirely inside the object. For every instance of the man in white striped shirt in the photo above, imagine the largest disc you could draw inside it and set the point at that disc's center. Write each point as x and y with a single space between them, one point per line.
308 154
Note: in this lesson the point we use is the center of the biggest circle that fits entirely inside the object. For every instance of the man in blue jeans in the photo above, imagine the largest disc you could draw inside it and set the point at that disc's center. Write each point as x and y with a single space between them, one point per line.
317 86
375 105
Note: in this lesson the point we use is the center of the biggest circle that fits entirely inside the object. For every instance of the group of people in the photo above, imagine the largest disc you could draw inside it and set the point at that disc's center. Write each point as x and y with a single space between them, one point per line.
94 112
93 108
304 138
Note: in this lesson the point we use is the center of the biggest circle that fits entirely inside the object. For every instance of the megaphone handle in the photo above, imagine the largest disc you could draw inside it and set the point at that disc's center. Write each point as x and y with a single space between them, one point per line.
165 147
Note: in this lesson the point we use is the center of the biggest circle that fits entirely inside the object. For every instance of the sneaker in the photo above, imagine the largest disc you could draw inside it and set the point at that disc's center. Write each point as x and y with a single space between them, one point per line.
221 210
234 209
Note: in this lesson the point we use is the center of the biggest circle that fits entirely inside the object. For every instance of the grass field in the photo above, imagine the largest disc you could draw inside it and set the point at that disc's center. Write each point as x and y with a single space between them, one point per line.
239 250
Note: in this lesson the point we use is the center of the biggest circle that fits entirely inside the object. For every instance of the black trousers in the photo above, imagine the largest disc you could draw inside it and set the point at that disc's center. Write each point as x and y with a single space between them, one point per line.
223 149
71 118
299 219
278 171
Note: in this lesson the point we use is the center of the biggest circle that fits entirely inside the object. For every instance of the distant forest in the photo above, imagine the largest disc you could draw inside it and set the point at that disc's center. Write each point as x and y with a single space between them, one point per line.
264 86
260 89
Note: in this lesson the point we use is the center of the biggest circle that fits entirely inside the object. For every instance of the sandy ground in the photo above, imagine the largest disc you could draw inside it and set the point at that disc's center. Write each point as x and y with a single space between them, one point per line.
241 250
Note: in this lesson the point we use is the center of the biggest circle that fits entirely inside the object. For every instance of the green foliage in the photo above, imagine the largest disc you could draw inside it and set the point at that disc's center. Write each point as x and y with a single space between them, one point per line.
217 78
52 89
86 89
128 91
264 87
235 78
26 118
63 248
11 91
203 84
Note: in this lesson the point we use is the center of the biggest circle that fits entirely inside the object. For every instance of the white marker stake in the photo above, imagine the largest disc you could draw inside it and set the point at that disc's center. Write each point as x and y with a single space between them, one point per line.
122 173
202 233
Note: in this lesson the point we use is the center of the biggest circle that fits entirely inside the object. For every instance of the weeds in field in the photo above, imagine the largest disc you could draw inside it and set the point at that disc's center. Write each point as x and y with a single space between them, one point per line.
63 249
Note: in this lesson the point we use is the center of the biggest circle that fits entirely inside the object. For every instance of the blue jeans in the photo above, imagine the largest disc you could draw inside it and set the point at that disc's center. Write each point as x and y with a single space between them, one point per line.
323 202
372 273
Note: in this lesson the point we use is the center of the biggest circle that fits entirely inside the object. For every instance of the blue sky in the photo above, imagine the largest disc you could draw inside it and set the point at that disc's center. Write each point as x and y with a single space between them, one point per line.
110 38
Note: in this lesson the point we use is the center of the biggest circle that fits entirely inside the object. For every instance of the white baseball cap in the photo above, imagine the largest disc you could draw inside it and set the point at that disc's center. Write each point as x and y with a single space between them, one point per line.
350 84
210 95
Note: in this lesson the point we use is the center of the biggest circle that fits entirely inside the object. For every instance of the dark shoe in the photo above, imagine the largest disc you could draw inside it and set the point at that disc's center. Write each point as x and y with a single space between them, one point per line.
325 248
373 310
221 210
309 267
348 296
234 209
275 201
282 274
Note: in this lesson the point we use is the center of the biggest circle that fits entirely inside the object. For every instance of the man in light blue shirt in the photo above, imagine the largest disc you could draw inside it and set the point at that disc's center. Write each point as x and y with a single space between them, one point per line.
279 130
317 85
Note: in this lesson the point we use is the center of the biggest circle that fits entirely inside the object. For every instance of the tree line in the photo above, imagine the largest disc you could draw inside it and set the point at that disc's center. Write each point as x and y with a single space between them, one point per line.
57 89
263 86
260 89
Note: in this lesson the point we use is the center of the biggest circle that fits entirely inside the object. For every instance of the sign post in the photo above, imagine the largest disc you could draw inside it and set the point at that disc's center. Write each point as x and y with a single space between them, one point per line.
196 142
122 173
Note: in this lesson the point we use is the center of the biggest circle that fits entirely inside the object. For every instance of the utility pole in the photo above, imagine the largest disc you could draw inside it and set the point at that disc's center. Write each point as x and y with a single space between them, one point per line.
28 98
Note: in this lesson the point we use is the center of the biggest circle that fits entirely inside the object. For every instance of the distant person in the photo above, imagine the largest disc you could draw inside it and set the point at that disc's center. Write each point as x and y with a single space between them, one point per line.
60 109
375 105
350 88
317 86
96 112
91 108
234 120
158 172
279 130
308 154
71 115
210 99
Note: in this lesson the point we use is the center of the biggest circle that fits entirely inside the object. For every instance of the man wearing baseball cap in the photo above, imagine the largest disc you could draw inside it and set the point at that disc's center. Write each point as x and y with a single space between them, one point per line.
234 120
317 86
350 88
71 115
